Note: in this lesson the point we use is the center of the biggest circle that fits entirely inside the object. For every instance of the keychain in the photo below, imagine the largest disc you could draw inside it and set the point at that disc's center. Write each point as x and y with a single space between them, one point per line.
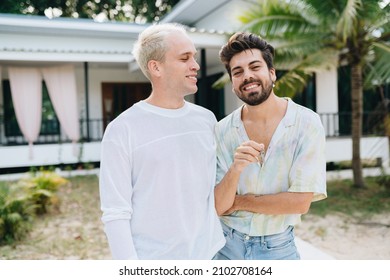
261 156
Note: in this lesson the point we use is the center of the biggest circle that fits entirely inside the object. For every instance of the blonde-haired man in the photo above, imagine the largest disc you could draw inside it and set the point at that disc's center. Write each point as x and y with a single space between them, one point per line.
158 161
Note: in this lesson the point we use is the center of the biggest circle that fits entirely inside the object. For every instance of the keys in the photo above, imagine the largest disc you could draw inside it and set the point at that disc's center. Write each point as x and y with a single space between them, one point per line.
261 157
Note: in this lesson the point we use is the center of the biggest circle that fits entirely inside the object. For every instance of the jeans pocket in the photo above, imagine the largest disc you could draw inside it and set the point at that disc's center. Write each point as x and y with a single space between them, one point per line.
280 241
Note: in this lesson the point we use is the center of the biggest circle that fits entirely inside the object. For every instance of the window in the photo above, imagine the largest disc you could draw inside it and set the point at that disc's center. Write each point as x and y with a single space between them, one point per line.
307 97
375 107
49 125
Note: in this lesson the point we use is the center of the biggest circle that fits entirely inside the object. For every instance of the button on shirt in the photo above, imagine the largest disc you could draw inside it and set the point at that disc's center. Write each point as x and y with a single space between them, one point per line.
294 162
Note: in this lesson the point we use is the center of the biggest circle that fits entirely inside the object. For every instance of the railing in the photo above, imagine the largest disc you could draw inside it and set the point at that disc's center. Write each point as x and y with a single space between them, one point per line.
335 124
89 132
340 124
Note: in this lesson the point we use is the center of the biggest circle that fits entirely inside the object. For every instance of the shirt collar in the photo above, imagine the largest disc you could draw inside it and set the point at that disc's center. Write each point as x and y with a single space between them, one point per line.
288 120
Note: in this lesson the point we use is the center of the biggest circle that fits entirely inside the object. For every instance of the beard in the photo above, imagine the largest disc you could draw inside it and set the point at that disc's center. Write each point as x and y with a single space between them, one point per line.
256 97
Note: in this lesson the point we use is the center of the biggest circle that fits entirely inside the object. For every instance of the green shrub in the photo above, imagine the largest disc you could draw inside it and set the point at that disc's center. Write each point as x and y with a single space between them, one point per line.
42 188
16 213
24 199
384 180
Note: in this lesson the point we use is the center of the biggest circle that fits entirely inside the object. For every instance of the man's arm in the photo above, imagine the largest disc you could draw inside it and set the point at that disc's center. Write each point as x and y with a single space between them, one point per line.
225 191
119 237
273 204
115 195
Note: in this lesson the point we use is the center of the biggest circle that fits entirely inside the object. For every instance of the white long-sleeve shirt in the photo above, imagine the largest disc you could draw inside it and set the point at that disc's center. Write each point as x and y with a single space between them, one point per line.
157 177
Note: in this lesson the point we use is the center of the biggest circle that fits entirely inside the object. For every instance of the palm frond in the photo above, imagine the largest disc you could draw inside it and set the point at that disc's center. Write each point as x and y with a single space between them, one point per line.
289 52
378 72
321 8
346 26
315 35
221 82
270 18
296 78
291 83
322 60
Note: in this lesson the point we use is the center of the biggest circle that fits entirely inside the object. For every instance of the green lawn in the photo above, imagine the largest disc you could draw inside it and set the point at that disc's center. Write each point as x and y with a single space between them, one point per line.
342 197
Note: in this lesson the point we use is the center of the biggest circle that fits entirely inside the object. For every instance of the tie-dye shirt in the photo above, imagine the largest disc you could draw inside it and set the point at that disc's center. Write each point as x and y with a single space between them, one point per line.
294 162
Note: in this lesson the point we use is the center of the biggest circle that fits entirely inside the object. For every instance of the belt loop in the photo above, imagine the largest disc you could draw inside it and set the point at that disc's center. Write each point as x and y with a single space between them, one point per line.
231 231
228 230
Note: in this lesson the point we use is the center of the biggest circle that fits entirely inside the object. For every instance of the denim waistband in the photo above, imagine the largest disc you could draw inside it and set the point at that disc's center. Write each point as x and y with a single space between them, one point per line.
245 237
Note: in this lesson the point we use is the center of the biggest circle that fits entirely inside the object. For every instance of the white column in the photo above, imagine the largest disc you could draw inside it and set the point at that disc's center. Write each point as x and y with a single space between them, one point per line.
327 100
232 102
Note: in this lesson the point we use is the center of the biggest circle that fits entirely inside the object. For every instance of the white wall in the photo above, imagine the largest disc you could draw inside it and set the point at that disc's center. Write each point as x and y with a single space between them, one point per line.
97 76
232 102
51 154
337 149
326 87
340 149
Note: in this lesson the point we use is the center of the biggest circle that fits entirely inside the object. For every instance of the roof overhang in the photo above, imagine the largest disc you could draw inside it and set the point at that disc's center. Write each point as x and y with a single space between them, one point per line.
68 26
36 38
189 12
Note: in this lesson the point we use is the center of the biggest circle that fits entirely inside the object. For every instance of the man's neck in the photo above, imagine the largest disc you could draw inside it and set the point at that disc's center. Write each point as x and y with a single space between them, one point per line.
165 101
273 107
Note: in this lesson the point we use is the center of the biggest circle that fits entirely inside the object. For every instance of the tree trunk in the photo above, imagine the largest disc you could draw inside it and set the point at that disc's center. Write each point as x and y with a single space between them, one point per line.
357 120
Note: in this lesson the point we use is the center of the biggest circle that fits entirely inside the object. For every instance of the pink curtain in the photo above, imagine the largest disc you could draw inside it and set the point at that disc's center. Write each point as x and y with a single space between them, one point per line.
26 92
61 84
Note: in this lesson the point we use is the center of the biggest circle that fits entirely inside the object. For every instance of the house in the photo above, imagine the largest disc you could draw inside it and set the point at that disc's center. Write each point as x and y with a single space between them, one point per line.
84 75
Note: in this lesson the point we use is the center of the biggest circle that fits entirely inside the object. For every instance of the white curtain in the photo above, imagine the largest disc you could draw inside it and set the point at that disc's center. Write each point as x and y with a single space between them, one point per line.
26 92
61 84
1 81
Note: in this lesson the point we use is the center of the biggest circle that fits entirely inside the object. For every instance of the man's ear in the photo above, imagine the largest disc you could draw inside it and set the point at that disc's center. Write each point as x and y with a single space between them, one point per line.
272 72
154 67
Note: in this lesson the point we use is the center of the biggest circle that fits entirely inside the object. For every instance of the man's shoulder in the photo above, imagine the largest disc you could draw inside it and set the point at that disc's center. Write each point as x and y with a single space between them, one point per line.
305 112
125 118
198 108
308 119
201 110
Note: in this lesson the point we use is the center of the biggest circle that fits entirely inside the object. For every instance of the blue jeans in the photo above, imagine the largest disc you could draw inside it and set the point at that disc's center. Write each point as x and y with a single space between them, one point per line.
240 246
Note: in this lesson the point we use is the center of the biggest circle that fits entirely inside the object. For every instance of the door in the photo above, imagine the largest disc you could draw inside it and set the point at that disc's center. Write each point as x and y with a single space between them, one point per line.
117 97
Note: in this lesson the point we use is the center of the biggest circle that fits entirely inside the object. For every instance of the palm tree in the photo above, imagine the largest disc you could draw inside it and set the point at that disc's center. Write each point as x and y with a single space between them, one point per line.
310 35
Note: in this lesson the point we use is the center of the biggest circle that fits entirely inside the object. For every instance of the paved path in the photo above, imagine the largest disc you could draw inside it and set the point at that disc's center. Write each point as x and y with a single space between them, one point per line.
309 252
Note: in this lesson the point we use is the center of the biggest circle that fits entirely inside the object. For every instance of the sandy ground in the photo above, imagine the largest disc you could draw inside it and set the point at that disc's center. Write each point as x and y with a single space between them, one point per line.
348 238
75 231
341 237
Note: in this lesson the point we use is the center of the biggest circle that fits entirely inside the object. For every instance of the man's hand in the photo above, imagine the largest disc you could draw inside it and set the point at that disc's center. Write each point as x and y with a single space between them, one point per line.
247 153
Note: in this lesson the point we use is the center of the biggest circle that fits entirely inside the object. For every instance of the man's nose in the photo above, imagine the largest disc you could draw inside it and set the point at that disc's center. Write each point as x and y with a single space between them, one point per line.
247 75
195 66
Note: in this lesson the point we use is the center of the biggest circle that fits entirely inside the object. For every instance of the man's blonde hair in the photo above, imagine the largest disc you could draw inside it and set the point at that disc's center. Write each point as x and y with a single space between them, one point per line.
151 44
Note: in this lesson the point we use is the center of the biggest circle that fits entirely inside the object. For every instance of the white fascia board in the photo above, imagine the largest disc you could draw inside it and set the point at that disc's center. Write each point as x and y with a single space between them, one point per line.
207 39
133 65
177 10
62 47
85 27
9 56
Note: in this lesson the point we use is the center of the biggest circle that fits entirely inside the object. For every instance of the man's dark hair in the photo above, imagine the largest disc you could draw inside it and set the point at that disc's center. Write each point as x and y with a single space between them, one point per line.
242 41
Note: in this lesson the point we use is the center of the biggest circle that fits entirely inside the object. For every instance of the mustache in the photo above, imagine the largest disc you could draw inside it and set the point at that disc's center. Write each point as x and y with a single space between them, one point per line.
249 82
